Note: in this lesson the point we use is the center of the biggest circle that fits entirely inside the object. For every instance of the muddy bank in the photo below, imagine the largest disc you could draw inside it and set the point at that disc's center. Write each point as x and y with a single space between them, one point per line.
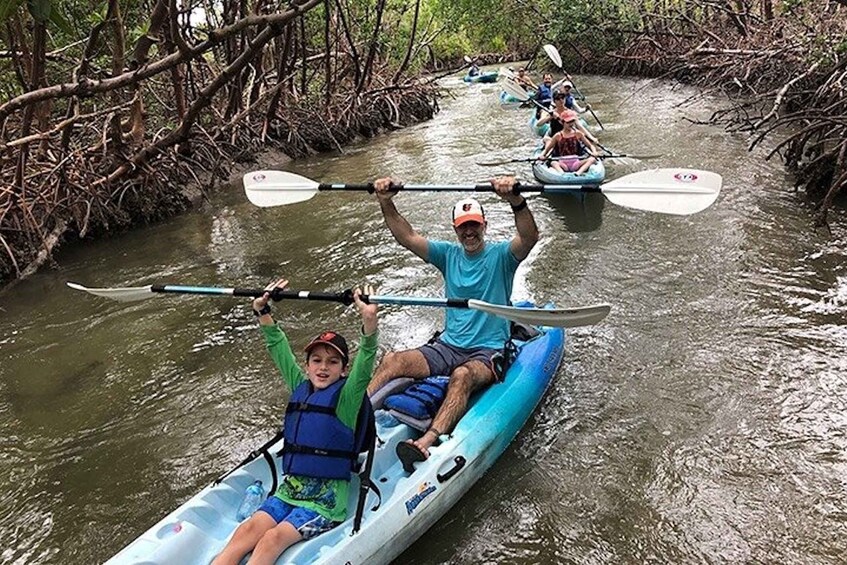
180 178
780 65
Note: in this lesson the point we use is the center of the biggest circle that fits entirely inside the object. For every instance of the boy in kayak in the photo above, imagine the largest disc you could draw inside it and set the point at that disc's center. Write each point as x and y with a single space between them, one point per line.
312 497
566 148
472 268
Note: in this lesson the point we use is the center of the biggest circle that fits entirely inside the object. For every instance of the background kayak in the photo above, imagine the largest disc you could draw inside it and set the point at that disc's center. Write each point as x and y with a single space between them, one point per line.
486 77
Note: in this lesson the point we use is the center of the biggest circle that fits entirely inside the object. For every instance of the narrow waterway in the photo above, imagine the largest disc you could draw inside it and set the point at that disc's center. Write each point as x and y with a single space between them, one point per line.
703 421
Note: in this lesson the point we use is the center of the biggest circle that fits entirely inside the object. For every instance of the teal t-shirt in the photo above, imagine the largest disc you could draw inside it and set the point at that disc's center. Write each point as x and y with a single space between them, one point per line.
487 276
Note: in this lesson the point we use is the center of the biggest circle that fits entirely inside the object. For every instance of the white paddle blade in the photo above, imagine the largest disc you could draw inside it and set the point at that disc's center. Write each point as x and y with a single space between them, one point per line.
667 191
504 72
467 59
553 53
127 294
556 317
277 188
515 90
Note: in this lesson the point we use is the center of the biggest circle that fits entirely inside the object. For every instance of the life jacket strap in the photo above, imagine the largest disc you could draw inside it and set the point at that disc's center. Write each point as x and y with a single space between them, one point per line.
306 407
307 450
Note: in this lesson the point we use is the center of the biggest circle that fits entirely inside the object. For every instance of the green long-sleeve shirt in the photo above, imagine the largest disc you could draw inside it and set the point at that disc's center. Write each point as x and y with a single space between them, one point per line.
328 497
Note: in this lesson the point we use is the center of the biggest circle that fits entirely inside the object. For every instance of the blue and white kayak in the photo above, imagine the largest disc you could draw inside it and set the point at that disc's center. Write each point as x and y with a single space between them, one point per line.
410 503
546 175
487 76
538 131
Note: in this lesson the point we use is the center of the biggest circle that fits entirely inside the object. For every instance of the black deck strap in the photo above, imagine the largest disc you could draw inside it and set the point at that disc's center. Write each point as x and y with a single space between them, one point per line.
366 484
274 481
261 450
502 360
294 448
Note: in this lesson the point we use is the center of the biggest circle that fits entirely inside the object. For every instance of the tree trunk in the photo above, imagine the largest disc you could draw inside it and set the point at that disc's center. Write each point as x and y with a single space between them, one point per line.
374 43
405 63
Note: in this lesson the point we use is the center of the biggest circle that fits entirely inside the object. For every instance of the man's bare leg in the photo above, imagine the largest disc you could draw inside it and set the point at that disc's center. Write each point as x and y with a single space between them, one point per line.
464 380
409 363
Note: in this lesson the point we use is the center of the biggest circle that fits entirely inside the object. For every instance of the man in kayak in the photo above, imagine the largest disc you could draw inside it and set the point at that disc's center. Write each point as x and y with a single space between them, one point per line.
320 438
472 268
524 81
544 96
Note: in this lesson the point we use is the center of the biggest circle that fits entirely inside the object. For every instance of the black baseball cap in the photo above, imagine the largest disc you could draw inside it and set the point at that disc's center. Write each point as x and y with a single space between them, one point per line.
333 340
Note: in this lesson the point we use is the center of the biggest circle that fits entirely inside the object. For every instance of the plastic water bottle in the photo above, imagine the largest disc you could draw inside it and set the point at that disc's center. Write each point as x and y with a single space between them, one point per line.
386 420
253 498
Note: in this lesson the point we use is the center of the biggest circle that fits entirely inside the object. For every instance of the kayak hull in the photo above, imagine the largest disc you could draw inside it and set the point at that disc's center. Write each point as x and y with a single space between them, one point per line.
486 77
546 175
410 503
506 98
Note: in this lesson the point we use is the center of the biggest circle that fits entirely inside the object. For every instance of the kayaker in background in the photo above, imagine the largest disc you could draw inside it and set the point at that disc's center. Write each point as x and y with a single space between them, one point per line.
544 95
566 148
570 101
524 81
557 116
474 70
312 497
472 268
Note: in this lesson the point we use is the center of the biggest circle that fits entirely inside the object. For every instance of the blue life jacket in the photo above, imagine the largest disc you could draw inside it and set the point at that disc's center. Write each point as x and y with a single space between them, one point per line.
317 443
421 400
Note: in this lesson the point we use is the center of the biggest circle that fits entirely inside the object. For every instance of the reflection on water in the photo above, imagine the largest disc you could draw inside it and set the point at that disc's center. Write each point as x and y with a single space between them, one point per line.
703 421
581 211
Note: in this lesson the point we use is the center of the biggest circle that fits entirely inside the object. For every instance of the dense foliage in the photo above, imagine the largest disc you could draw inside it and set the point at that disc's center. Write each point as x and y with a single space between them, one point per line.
106 105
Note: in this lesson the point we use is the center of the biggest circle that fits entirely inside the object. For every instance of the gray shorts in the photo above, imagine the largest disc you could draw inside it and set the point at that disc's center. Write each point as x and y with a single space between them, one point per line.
443 358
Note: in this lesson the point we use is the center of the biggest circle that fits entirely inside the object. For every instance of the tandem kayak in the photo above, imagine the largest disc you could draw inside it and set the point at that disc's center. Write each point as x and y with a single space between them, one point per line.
488 76
409 503
546 175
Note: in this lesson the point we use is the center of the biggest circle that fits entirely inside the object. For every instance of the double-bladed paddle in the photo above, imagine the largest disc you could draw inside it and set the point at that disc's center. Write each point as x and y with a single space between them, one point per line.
553 53
667 191
534 159
558 317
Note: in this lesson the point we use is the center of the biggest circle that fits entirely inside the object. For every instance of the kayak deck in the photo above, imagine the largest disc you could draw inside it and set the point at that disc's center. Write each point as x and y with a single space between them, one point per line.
544 174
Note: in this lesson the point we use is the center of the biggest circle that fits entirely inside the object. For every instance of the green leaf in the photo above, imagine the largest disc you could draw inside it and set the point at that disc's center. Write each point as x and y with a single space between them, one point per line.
39 9
58 19
8 7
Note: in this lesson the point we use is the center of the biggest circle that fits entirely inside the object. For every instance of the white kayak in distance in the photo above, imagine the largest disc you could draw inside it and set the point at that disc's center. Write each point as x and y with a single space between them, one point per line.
408 505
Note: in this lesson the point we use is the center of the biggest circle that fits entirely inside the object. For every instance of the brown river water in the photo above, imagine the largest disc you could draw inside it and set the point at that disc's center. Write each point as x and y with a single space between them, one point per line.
702 422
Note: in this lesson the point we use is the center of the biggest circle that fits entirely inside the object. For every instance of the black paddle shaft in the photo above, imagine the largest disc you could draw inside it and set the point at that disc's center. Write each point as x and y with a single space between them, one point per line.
480 187
345 297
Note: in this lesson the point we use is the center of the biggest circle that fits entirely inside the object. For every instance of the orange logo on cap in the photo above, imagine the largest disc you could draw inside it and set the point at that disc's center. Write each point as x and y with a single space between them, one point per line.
327 335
